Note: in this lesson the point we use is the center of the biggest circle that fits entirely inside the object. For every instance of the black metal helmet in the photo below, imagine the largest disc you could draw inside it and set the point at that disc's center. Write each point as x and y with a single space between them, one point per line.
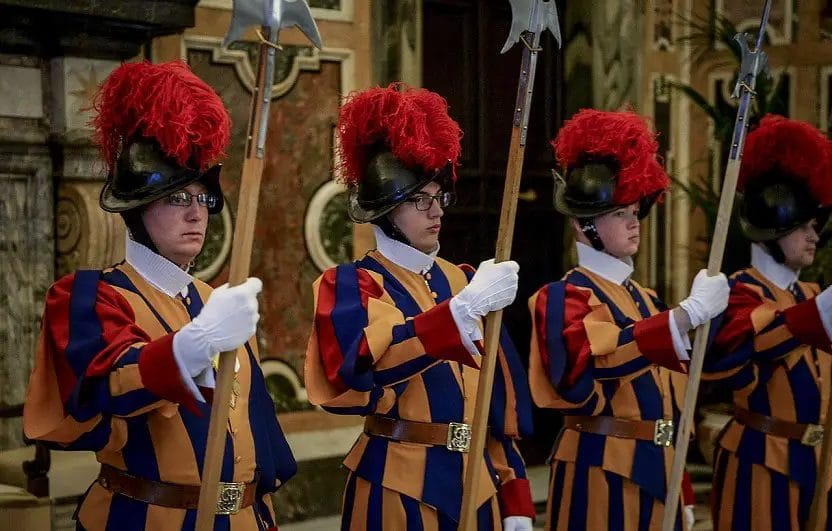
143 174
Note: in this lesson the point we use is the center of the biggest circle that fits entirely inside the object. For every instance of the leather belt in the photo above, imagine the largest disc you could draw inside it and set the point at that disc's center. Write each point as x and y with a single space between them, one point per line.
808 434
659 431
230 499
454 436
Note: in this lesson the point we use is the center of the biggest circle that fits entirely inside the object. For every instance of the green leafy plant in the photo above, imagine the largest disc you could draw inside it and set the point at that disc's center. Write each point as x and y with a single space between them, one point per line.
772 96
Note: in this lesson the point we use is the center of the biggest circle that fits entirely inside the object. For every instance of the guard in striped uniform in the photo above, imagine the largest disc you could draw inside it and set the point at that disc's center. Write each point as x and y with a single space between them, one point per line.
772 345
124 363
396 333
605 351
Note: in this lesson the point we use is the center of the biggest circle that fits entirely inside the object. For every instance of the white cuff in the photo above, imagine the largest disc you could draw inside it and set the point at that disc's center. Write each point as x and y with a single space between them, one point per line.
183 373
206 378
469 330
824 302
681 344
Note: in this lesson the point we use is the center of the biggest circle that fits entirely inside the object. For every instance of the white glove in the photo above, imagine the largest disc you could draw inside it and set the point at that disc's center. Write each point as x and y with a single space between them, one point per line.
228 319
708 298
517 523
824 302
690 518
493 287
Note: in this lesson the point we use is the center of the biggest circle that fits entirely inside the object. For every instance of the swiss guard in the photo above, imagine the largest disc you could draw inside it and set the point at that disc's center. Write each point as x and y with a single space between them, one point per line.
772 345
124 363
396 334
605 351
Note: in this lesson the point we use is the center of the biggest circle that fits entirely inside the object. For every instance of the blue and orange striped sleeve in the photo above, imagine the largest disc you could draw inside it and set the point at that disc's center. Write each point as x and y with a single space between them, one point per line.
753 328
514 490
576 340
94 362
362 344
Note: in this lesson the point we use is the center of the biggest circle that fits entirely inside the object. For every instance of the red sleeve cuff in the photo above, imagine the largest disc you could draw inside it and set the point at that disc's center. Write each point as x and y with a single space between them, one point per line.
655 341
439 335
688 496
803 320
160 373
515 498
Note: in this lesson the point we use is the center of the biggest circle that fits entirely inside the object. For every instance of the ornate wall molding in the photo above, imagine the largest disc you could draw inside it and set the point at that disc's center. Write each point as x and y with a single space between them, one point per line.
746 17
616 53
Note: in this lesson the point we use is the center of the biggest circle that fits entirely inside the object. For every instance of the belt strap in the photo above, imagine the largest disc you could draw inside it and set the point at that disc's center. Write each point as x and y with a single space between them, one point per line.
808 434
231 497
659 431
454 436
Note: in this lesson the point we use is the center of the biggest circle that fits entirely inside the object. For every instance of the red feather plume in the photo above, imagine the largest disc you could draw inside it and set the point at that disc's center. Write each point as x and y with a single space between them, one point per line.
791 146
413 123
166 102
623 136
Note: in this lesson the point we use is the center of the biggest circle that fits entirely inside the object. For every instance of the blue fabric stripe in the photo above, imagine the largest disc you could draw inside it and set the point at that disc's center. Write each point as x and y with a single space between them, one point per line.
615 489
373 461
403 332
742 497
580 494
648 469
519 379
374 508
85 330
485 517
556 349
648 395
641 304
443 480
403 371
272 453
579 279
591 449
803 385
349 502
139 452
780 512
117 278
645 512
444 400
625 369
556 494
126 514
514 459
413 517
196 301
439 283
349 320
401 297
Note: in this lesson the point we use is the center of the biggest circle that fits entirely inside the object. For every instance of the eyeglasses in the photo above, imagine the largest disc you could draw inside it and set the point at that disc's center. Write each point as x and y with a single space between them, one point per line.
424 201
184 199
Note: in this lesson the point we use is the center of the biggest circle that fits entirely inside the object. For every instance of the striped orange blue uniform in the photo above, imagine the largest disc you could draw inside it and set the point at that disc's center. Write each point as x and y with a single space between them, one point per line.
381 340
602 348
105 380
771 349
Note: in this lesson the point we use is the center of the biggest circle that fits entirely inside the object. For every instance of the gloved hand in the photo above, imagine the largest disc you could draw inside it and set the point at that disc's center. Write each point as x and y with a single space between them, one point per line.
493 287
708 298
517 523
689 516
228 319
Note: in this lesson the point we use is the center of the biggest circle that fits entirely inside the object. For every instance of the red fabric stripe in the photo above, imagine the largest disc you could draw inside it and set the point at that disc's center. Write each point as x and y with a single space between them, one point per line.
655 341
578 349
56 333
540 325
737 326
439 335
119 329
160 373
803 320
331 355
515 498
688 496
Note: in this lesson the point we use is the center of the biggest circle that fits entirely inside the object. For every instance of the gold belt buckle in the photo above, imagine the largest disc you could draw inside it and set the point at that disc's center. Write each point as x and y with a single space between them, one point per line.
663 433
230 497
813 435
459 437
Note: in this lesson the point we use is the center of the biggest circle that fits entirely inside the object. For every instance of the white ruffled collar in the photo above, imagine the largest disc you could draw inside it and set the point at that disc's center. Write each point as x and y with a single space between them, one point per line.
778 274
402 254
604 265
157 270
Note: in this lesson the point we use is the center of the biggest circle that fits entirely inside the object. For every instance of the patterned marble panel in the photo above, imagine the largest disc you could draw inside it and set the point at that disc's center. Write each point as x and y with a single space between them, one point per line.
26 270
298 162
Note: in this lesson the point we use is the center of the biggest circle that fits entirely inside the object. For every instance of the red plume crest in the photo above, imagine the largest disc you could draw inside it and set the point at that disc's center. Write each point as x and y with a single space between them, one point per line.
791 146
166 102
413 123
623 136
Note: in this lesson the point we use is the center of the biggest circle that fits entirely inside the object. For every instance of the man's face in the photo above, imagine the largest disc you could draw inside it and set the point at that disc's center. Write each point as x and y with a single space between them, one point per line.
178 231
799 246
619 231
420 227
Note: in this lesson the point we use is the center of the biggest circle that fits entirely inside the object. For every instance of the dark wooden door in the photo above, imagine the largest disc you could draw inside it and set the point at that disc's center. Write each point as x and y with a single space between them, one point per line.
462 61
